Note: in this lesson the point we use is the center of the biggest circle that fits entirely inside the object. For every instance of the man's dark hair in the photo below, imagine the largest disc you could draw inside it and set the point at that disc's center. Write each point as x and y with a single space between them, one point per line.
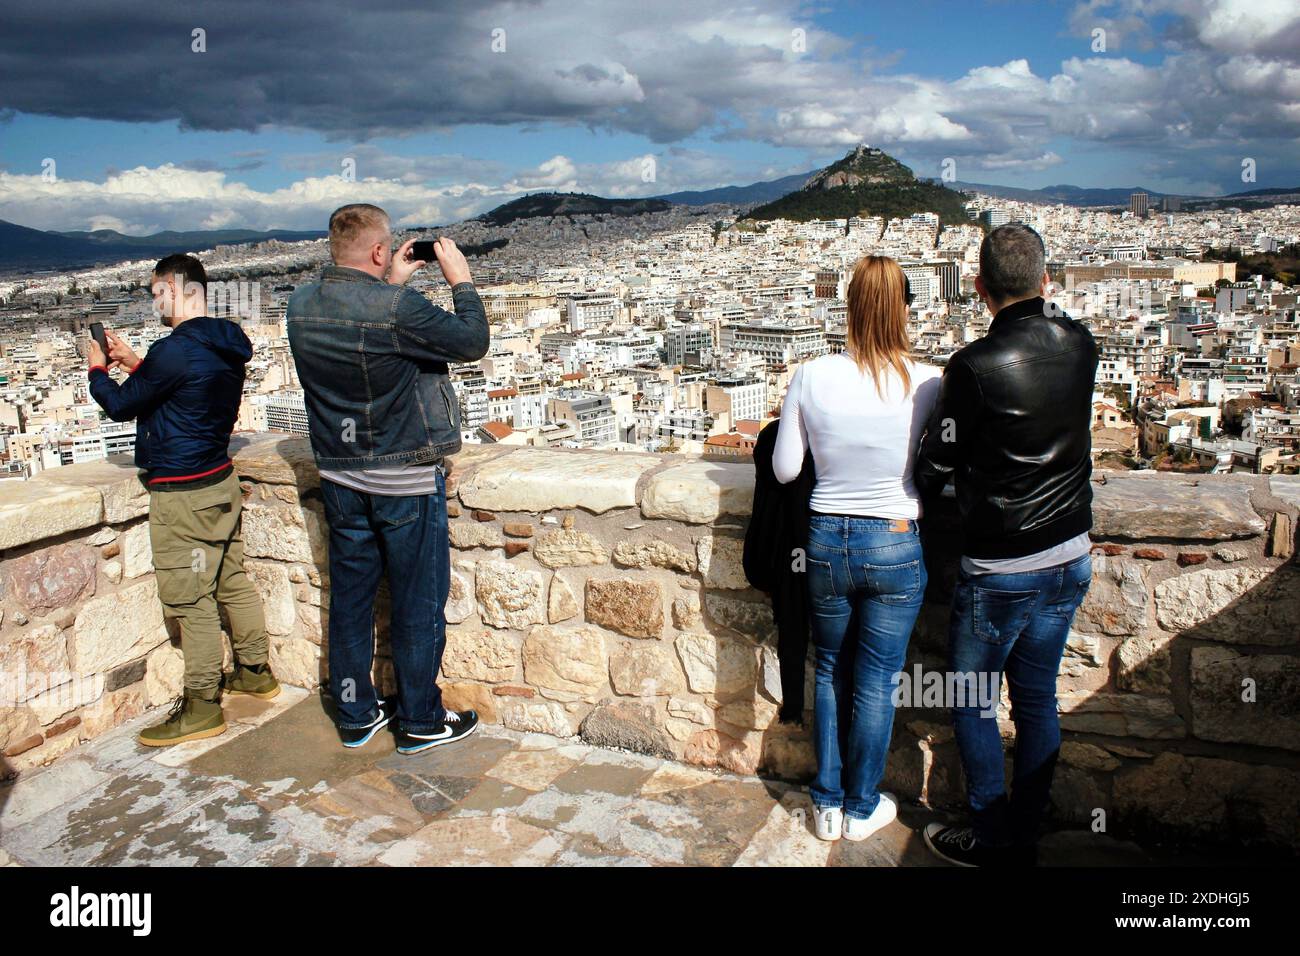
1012 260
189 268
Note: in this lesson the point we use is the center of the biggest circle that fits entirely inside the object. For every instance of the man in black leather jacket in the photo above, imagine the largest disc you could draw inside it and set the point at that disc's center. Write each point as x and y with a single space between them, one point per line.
1012 428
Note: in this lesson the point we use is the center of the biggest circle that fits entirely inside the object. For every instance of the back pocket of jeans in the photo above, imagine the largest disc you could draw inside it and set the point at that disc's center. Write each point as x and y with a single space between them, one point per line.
1000 616
821 580
394 510
894 583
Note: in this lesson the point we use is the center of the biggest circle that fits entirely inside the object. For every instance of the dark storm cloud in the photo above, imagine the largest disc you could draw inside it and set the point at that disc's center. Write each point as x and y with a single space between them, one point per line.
343 69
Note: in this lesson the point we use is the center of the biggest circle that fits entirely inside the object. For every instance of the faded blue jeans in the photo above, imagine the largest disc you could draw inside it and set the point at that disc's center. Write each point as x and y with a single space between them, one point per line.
866 580
404 537
1015 624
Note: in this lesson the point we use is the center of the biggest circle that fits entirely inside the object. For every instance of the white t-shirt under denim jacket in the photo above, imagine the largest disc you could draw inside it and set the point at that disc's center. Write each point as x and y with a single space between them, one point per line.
864 442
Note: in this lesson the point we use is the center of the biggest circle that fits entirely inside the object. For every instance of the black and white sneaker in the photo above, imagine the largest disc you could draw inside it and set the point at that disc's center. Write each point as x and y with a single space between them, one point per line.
455 726
958 846
360 736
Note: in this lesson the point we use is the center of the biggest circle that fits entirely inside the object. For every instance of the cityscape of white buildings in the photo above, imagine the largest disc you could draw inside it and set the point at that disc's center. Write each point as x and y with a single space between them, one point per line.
680 330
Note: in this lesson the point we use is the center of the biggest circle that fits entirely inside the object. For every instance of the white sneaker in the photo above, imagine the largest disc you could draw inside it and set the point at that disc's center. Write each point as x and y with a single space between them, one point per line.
856 828
829 822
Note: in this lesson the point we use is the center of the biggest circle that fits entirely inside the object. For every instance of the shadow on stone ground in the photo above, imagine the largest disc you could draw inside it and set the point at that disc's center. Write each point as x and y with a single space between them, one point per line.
278 789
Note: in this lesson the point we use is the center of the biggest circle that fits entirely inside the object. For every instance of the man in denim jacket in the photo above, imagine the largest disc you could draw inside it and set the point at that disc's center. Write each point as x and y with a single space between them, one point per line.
372 356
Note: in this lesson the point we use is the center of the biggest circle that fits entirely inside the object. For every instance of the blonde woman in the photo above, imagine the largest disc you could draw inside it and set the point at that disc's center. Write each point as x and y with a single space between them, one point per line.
862 412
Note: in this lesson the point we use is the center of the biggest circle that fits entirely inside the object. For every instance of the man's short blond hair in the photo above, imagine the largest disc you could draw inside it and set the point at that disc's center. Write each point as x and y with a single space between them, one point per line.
354 224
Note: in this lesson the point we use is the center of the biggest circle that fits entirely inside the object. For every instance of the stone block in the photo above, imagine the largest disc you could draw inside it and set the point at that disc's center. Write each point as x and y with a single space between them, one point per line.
645 669
567 549
542 479
509 596
1245 698
626 605
649 552
628 726
117 627
50 578
1159 506
1235 605
698 492
480 654
720 562
569 659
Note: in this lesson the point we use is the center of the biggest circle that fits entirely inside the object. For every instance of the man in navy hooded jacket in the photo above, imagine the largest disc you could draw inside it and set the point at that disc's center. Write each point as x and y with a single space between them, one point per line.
185 397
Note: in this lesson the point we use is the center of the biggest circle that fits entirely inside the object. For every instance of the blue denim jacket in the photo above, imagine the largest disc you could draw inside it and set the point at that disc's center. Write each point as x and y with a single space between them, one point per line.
372 359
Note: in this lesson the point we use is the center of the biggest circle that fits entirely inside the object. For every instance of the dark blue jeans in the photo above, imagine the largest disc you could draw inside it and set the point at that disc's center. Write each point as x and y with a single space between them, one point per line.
866 581
406 537
1017 624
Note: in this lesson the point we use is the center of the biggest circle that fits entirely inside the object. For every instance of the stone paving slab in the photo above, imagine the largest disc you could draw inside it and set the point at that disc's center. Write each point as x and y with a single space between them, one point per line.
278 789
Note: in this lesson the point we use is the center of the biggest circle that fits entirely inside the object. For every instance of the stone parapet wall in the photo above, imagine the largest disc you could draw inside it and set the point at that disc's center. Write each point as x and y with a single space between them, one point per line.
601 594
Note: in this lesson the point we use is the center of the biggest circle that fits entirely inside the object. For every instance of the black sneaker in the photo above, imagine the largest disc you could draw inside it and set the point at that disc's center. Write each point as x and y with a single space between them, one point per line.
958 846
455 726
360 736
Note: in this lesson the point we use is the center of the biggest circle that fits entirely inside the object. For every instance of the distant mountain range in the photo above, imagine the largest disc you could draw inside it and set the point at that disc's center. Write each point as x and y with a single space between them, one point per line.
1086 196
740 195
24 249
866 182
535 205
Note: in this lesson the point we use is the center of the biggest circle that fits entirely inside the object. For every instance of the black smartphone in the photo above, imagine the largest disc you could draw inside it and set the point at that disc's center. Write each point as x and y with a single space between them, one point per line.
97 333
422 251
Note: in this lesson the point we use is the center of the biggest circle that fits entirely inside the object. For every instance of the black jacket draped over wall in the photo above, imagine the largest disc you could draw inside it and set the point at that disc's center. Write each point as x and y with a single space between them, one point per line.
777 526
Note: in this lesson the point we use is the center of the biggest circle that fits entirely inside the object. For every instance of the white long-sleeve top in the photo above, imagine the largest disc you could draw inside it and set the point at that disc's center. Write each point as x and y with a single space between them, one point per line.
864 446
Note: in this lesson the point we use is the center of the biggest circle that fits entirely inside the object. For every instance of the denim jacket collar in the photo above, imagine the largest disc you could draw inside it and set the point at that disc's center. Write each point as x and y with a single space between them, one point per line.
333 273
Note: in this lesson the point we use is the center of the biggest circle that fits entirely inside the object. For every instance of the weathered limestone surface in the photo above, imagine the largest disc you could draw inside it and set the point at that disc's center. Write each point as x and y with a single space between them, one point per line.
509 596
114 628
1245 698
647 552
1137 507
52 578
568 662
1197 796
1259 605
276 460
631 607
117 482
1119 600
42 508
567 548
285 530
541 479
603 594
698 492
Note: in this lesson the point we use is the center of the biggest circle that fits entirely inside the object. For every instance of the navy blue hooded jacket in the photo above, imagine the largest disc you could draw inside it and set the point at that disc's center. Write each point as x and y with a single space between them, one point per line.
184 396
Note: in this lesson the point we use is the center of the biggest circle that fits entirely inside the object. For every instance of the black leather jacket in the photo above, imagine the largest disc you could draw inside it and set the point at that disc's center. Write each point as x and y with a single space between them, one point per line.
1012 427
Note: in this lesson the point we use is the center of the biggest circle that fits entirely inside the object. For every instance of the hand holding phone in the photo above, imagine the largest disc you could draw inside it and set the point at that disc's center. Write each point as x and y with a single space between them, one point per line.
120 352
454 267
97 333
96 353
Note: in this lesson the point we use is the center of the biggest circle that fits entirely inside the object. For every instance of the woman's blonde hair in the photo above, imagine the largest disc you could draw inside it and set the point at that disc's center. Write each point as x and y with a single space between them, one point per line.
877 326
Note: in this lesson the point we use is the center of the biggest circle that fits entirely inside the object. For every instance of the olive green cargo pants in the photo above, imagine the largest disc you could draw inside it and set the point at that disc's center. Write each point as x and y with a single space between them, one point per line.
198 559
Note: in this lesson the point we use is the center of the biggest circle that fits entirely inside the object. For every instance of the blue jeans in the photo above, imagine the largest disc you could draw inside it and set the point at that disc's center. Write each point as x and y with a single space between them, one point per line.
405 536
1018 624
866 580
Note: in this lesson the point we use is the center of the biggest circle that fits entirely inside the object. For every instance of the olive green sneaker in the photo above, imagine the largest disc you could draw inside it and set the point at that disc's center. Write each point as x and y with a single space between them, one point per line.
191 718
257 680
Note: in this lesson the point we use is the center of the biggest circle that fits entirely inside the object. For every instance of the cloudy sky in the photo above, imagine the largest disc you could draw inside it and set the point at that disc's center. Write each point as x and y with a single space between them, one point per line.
113 114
